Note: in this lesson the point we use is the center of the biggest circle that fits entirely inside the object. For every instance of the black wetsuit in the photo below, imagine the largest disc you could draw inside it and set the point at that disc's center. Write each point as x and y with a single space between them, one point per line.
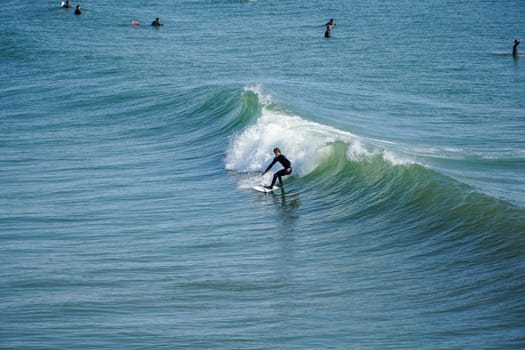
283 172
515 48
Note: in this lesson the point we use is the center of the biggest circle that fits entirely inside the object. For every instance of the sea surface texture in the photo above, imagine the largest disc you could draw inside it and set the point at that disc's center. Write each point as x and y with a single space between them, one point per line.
128 154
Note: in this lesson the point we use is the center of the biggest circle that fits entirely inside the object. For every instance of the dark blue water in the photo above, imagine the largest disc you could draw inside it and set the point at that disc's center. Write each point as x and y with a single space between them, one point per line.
128 156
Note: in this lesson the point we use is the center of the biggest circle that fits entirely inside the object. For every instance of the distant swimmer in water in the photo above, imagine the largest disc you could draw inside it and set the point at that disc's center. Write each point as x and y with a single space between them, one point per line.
66 4
515 47
283 172
156 23
328 31
77 10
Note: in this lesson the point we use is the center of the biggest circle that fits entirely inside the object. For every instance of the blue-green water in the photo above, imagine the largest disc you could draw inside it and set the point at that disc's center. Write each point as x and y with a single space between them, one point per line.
127 157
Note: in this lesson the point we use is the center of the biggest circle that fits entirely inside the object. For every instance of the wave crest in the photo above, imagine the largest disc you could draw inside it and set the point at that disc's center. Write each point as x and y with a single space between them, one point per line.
307 144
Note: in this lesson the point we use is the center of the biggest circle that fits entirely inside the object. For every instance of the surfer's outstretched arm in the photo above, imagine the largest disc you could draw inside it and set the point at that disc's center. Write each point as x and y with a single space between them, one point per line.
270 166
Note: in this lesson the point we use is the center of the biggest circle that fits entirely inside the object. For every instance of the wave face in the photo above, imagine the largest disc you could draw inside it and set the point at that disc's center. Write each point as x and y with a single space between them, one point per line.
347 165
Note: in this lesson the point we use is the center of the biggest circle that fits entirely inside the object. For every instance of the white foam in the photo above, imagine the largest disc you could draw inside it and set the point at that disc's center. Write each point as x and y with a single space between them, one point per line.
305 143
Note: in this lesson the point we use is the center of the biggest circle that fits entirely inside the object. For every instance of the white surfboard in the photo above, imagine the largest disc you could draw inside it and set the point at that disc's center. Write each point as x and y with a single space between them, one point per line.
263 189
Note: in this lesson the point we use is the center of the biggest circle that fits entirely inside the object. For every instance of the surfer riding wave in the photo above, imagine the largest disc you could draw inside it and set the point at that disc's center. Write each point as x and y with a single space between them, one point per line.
287 165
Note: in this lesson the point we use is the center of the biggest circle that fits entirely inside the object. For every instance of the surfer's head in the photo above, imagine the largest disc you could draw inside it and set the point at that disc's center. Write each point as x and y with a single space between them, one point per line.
276 151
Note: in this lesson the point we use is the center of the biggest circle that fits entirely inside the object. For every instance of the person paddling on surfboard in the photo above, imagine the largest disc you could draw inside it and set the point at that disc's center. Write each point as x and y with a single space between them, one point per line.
515 47
283 172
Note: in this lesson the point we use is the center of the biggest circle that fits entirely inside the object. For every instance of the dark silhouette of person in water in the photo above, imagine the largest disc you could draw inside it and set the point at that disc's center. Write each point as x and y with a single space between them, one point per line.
329 26
156 23
283 172
77 10
328 31
515 47
66 4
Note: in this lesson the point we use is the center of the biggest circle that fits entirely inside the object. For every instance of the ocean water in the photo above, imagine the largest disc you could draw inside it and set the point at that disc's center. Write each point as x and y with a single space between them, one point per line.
128 156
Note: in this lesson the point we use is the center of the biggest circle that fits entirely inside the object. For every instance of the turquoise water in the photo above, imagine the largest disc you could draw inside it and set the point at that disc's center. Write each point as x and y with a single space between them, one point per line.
127 217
